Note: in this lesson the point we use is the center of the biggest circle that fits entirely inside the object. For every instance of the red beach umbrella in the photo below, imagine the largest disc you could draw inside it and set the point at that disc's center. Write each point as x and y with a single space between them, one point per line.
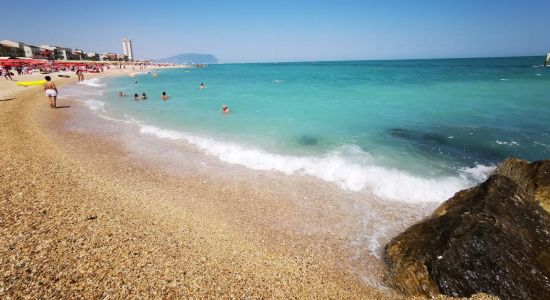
12 62
37 62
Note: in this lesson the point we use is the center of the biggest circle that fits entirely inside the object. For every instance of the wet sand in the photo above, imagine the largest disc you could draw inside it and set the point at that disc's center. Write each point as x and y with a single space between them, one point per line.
81 218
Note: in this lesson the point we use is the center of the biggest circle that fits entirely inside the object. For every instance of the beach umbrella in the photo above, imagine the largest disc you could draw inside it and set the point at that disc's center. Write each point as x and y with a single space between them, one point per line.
12 62
36 62
20 62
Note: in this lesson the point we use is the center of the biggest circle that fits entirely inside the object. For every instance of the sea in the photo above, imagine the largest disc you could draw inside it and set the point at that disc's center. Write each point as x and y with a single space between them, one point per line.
407 130
402 131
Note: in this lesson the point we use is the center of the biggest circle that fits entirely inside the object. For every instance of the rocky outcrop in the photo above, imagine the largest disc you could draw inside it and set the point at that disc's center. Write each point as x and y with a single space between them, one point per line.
493 238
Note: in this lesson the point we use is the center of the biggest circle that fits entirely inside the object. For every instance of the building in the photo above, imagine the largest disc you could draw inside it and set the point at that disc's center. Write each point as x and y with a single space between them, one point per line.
93 56
11 49
77 54
48 52
31 51
64 53
110 56
127 49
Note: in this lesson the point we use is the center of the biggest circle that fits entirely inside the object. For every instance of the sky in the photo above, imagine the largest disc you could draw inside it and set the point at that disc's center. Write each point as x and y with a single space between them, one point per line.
286 30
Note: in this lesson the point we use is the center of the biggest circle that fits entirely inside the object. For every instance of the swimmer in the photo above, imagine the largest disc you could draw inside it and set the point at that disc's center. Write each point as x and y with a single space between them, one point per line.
202 86
121 94
164 96
136 97
225 109
143 96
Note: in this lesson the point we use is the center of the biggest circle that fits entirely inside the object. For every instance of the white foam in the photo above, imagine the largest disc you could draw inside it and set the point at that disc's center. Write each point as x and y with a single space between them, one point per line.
512 143
94 82
476 174
332 167
95 105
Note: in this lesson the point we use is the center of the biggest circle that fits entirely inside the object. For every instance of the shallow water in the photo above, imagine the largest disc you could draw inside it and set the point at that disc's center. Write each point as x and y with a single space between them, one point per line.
410 130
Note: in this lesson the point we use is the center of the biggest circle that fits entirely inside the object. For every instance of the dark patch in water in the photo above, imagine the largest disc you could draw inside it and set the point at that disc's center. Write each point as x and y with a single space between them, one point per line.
465 144
307 140
427 137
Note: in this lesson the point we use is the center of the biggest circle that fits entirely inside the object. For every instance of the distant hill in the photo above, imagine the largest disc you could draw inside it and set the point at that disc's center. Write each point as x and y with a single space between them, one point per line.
190 58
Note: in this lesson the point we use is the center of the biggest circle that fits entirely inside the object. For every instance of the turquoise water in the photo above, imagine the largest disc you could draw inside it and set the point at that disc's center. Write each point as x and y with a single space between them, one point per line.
396 128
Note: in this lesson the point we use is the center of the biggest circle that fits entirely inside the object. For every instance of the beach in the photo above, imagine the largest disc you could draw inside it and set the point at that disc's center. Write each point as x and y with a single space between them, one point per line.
83 220
97 205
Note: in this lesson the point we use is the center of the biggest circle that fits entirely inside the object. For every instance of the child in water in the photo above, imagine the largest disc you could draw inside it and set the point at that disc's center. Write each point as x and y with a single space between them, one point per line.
164 96
143 96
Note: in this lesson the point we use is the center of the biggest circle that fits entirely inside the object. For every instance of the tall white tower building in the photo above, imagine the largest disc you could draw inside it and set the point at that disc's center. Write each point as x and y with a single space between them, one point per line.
127 48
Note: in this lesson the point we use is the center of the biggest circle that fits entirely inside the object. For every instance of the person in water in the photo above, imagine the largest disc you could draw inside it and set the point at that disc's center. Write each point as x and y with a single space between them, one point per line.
225 109
143 96
121 94
164 96
80 74
136 97
51 91
202 86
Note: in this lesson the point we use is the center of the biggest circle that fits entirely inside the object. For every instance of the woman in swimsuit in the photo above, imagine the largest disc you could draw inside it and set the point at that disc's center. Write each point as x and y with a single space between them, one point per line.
51 91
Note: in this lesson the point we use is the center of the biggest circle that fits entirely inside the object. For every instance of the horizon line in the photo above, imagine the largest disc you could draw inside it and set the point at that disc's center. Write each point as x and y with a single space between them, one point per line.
345 60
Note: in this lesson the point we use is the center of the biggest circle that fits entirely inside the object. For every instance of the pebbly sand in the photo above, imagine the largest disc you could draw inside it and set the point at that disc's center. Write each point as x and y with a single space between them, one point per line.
81 218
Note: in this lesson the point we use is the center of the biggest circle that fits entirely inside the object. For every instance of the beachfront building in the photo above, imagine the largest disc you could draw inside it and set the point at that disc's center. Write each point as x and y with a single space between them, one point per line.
127 49
18 49
110 56
31 51
48 52
63 53
92 56
11 49
77 54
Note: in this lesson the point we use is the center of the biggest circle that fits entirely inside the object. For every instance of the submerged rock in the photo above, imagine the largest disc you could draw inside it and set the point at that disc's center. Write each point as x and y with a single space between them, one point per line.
308 140
493 238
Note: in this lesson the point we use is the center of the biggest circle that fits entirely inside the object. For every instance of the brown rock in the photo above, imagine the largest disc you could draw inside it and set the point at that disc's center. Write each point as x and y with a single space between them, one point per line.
493 238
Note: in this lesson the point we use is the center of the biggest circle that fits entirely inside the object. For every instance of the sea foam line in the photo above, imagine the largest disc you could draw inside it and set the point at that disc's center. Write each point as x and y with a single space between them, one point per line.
334 167
94 82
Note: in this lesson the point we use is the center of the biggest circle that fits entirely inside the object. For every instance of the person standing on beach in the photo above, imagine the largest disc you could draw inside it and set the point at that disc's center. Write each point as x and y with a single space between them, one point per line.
51 91
7 73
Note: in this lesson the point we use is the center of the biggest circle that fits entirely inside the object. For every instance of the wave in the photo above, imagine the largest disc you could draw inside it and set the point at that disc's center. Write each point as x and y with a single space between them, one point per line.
512 143
335 167
95 105
94 82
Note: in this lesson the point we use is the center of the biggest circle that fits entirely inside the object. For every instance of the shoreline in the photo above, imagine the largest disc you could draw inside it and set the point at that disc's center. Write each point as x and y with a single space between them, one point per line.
242 262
